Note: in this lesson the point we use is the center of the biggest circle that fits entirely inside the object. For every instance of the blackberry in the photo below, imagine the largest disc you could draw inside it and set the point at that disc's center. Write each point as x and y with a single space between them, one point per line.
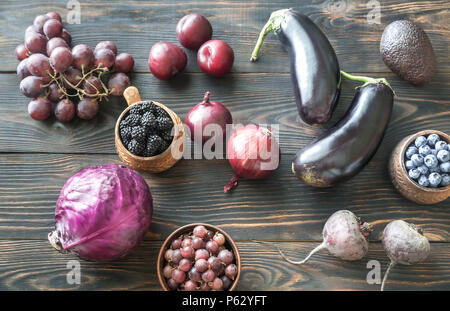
153 145
164 145
159 112
135 147
133 119
167 136
148 107
125 133
164 124
148 120
138 133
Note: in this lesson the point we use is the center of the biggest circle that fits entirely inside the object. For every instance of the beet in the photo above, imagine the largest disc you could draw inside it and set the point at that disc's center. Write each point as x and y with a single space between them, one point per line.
344 236
404 244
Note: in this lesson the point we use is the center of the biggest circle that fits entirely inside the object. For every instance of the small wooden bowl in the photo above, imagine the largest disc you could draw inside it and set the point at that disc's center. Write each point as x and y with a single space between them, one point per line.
399 175
160 162
229 243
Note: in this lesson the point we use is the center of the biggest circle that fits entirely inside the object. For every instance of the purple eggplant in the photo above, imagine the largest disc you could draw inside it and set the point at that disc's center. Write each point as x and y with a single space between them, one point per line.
342 151
314 66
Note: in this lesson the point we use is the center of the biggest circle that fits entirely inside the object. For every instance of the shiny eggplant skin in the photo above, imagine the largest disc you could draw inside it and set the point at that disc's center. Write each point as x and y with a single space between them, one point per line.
343 150
314 67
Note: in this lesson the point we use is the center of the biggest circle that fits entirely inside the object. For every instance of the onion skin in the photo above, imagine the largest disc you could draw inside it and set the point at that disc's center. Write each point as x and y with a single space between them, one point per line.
207 112
247 150
102 213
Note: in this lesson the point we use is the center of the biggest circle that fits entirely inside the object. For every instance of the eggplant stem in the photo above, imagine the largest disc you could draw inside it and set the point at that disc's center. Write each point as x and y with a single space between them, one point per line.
366 80
391 265
274 23
233 183
318 248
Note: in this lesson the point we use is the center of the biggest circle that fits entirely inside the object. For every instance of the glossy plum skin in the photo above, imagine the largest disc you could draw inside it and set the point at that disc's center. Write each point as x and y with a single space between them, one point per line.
166 60
193 30
215 57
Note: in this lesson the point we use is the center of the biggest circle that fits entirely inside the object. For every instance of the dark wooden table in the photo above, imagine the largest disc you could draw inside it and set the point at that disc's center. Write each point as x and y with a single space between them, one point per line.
36 158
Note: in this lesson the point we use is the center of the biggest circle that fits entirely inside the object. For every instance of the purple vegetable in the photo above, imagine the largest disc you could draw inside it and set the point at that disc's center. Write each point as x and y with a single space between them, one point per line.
344 236
405 244
102 213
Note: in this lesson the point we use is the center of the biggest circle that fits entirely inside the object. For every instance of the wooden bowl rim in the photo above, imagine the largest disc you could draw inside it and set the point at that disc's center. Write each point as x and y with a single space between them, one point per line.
158 156
406 144
190 227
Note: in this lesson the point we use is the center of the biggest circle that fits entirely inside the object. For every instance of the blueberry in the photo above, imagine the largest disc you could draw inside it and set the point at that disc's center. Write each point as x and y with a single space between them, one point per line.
434 179
441 145
445 167
423 170
409 165
424 150
420 141
443 155
433 151
431 160
410 151
445 180
414 173
435 169
417 159
432 139
423 181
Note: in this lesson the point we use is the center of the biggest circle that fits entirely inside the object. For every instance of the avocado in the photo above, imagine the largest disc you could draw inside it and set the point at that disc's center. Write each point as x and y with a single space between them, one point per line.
406 49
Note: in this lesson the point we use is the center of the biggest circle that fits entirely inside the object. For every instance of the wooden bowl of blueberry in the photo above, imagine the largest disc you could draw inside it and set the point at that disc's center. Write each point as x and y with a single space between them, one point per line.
420 167
149 137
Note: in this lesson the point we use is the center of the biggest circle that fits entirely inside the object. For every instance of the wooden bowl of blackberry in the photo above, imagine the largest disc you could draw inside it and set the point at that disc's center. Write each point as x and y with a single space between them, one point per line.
149 137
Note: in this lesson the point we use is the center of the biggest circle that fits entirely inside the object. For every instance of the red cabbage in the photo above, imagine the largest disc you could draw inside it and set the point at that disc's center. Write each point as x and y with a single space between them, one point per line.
102 213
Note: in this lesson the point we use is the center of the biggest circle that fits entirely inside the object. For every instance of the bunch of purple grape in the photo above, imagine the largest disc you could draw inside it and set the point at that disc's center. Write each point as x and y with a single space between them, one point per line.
67 81
200 261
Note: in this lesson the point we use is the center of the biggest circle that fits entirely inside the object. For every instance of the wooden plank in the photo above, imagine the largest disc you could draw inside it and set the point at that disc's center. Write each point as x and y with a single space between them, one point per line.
34 265
137 25
277 208
257 98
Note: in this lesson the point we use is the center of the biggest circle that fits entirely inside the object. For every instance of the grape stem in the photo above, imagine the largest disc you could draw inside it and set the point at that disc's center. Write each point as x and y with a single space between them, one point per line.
60 79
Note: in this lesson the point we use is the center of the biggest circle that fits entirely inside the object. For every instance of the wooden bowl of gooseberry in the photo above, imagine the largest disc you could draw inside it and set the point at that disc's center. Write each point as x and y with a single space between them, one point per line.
157 163
187 230
405 185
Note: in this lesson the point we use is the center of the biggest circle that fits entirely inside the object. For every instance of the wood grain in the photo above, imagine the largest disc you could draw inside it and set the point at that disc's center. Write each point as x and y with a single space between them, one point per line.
135 26
277 208
35 265
247 96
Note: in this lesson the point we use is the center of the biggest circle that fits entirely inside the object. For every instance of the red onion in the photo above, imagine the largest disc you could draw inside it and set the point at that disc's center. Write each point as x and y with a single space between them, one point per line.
253 153
205 113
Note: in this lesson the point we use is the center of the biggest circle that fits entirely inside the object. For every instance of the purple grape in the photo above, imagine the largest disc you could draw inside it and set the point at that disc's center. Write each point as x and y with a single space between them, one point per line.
54 15
194 275
92 85
198 243
35 42
87 109
106 45
61 59
217 284
124 63
22 70
172 284
219 238
65 110
168 255
66 36
73 75
54 93
40 108
176 244
32 86
201 254
52 28
176 256
200 231
190 286
118 83
226 282
104 58
83 57
231 271
185 265
188 252
178 276
39 22
54 43
21 52
214 264
39 65
212 247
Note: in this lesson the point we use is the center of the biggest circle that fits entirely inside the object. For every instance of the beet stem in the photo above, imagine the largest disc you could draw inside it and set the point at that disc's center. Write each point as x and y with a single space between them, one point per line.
233 183
391 265
318 248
